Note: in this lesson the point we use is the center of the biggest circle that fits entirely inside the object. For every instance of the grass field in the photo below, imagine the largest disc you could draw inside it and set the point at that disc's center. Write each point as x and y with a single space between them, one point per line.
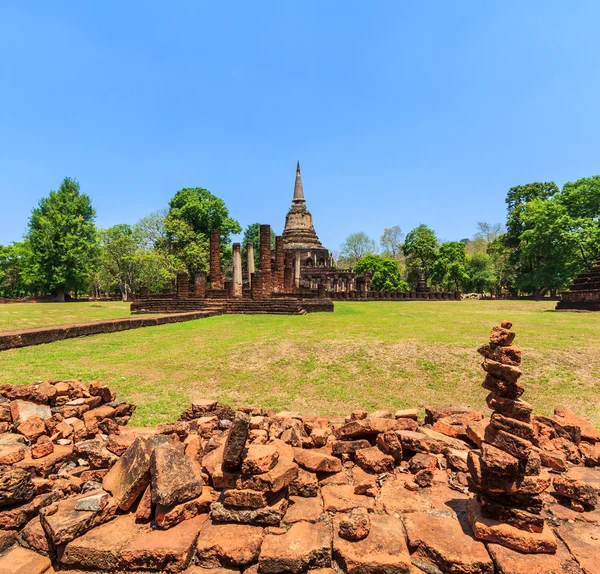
15 316
364 355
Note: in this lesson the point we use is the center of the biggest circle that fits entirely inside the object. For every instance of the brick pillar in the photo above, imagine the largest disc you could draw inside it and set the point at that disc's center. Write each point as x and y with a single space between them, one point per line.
200 284
256 291
216 279
250 262
265 258
143 292
288 278
322 290
279 283
183 285
237 270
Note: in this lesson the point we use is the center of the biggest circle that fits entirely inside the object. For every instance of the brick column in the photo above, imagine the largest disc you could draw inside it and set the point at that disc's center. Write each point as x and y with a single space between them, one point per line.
265 258
216 279
322 290
279 286
250 262
200 284
237 270
256 291
143 292
288 278
183 285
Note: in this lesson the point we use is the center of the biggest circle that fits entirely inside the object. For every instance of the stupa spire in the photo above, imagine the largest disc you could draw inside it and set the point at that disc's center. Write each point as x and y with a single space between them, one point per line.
298 191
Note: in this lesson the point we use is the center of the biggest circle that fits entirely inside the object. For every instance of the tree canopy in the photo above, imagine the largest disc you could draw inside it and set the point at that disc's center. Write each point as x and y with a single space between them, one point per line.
356 246
385 273
63 240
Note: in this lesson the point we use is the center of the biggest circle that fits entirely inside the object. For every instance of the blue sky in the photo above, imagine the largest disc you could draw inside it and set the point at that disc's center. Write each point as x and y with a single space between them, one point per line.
400 112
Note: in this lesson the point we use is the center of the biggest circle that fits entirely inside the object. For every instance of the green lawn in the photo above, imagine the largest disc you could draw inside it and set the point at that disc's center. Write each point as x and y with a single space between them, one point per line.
14 316
364 355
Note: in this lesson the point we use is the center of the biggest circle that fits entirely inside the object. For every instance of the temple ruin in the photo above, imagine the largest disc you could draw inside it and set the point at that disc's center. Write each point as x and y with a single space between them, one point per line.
297 277
584 294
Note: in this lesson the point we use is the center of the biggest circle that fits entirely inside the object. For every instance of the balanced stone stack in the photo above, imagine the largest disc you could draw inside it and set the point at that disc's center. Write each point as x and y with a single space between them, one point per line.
507 474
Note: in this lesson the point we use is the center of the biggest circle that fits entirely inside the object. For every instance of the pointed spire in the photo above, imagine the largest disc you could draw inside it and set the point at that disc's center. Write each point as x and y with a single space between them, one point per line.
298 191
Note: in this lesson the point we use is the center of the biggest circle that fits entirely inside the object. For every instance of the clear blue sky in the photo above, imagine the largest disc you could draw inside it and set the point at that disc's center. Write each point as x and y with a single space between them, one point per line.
400 112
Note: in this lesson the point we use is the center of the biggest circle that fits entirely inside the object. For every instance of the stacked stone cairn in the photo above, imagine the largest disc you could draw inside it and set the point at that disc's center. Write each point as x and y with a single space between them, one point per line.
507 474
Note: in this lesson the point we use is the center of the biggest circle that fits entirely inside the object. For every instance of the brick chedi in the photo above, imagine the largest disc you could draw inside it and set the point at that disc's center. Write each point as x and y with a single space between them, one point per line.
584 294
507 474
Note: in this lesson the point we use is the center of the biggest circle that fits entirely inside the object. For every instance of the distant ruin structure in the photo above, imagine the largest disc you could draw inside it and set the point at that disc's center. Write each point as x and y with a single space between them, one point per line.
584 293
296 277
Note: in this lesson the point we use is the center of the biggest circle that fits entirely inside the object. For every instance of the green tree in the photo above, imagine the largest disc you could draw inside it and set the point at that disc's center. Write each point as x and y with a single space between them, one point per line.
252 235
193 214
63 240
421 249
391 242
14 266
481 275
385 273
356 246
120 249
450 268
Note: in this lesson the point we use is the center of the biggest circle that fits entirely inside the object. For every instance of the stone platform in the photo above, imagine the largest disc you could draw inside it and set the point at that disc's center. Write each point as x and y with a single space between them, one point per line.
584 293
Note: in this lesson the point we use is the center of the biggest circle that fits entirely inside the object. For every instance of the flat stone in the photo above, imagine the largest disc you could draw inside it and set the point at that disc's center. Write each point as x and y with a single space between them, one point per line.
18 515
15 486
513 426
349 446
502 336
384 550
341 498
303 509
20 560
447 544
94 502
396 500
511 562
175 478
407 414
514 408
7 539
130 475
502 388
581 484
576 425
554 459
169 516
245 498
169 550
317 461
514 445
100 547
499 461
236 441
508 355
497 532
583 541
34 537
259 458
11 454
284 472
32 428
420 442
304 546
212 463
374 459
48 464
228 545
41 450
369 427
22 410
63 523
389 443
270 515
95 452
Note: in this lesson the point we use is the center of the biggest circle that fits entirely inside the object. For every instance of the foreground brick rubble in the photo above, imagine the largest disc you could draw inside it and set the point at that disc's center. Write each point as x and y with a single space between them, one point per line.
254 491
